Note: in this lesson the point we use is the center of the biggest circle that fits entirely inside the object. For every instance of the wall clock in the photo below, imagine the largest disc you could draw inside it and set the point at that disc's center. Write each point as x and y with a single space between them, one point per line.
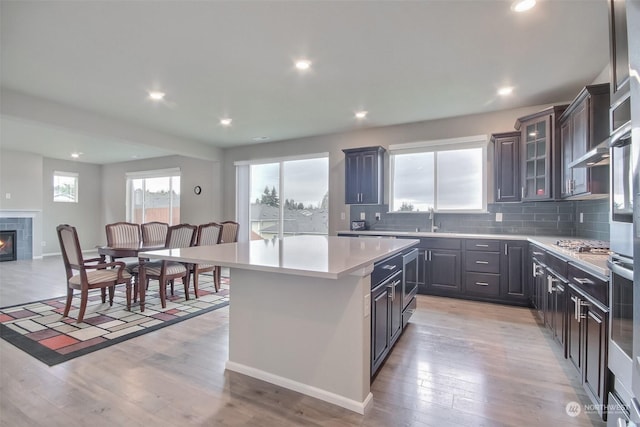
197 189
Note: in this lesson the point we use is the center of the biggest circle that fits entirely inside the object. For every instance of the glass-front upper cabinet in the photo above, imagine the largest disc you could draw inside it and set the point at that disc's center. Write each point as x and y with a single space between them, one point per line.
540 154
536 184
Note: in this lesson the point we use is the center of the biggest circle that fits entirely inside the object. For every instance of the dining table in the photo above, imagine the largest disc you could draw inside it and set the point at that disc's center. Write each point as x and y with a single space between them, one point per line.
132 250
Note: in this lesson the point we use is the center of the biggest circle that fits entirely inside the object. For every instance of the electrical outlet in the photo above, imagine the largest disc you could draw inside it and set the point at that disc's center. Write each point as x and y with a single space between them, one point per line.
498 216
362 215
581 217
342 216
43 243
377 216
7 196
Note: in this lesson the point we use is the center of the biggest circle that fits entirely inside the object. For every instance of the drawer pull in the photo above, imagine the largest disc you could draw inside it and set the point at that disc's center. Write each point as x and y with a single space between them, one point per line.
389 267
583 281
538 253
482 284
482 262
481 246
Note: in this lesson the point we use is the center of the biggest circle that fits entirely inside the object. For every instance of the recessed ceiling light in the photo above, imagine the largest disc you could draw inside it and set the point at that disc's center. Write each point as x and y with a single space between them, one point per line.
522 5
76 155
303 64
361 114
225 122
260 138
156 96
504 91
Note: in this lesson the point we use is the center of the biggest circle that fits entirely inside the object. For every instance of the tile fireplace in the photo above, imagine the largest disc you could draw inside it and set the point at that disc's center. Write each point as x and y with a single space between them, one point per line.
8 245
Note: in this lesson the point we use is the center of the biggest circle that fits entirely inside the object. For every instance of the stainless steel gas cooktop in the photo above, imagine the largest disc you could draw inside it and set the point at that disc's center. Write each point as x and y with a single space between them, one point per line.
600 247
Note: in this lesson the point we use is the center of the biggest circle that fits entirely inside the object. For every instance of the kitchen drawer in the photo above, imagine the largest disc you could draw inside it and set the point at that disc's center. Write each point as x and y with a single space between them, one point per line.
559 266
408 312
440 243
484 284
589 284
488 245
483 262
538 253
385 268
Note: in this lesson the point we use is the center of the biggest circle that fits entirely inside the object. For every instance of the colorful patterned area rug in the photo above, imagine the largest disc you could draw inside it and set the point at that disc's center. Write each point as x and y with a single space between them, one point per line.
39 329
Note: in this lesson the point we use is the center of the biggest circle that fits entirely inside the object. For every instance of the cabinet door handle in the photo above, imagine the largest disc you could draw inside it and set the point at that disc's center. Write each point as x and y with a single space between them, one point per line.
582 304
478 245
498 194
392 286
583 281
576 305
482 284
522 192
482 262
505 249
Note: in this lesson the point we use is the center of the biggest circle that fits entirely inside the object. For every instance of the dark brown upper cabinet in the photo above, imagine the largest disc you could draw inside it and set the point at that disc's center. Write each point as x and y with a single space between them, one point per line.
506 159
364 183
540 154
584 132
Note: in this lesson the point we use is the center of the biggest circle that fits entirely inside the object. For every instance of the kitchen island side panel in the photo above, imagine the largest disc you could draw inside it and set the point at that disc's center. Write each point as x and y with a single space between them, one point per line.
308 334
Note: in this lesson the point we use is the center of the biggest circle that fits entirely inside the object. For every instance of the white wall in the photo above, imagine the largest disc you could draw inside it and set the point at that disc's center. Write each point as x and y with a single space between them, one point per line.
194 209
84 215
21 177
502 121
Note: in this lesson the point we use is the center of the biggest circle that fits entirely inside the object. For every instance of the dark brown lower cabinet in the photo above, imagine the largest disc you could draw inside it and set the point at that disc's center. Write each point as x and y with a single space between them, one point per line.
556 308
442 271
386 318
587 335
513 271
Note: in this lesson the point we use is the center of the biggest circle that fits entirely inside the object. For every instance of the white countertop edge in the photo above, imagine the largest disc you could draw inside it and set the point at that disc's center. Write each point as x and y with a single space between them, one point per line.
418 234
544 241
361 268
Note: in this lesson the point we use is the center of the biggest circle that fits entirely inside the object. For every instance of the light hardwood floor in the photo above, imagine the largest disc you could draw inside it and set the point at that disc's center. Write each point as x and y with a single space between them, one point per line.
459 363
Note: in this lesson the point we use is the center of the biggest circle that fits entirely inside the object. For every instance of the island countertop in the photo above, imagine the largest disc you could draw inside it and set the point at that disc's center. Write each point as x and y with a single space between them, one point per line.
327 257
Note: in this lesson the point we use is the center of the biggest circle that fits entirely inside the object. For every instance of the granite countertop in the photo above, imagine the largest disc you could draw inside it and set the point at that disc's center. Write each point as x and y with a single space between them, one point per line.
592 263
327 257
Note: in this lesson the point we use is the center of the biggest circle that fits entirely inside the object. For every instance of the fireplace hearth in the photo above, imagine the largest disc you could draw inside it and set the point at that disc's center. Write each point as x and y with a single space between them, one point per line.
8 243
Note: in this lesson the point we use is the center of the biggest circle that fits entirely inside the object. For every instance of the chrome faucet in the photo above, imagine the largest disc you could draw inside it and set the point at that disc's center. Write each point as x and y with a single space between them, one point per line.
432 224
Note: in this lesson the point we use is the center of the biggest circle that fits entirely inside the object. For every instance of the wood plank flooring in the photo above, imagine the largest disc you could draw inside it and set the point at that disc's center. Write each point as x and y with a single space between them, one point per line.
459 363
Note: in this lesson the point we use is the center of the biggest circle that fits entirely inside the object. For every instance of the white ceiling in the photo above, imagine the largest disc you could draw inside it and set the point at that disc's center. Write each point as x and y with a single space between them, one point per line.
401 61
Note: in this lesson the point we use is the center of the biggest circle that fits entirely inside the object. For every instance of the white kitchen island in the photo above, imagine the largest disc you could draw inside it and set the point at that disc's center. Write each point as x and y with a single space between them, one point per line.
299 312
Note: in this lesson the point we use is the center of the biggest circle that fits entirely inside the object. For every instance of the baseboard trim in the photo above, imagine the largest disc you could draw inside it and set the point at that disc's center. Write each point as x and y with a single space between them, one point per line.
327 396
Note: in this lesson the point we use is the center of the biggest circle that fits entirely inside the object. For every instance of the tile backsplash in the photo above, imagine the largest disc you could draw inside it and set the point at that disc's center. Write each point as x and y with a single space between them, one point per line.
560 218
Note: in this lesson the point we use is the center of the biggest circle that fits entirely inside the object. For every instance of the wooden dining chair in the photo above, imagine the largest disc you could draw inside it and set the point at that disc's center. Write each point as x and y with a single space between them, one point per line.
229 235
154 233
165 272
88 274
125 234
208 235
229 232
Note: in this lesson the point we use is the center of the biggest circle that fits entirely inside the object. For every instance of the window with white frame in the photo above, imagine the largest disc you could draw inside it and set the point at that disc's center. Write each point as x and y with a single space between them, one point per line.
154 196
283 197
65 187
446 176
